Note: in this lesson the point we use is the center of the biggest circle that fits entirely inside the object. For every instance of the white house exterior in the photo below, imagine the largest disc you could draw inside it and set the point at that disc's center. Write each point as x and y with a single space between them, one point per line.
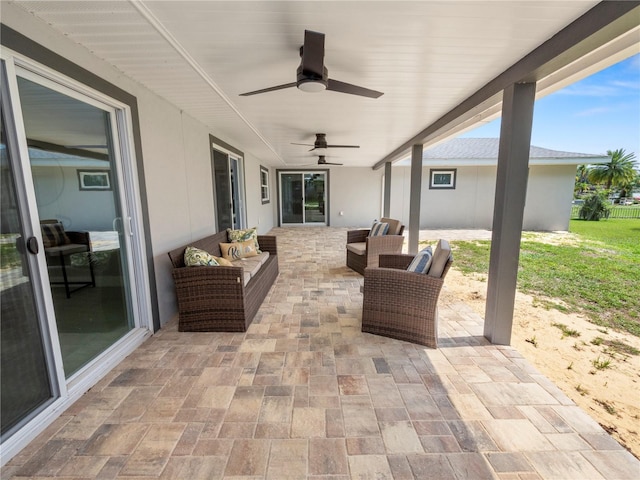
468 203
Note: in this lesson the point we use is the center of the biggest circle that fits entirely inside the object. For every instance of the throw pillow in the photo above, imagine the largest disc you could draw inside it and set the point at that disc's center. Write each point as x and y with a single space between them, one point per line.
194 257
237 250
53 235
422 261
223 262
243 235
378 229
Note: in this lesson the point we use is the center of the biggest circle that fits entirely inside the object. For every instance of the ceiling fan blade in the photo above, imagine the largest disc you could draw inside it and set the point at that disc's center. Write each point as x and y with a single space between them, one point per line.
343 146
313 54
270 89
330 163
303 144
342 87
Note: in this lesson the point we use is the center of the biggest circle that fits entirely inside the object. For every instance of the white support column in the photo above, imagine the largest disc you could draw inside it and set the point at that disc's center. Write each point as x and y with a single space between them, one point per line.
511 189
415 197
386 209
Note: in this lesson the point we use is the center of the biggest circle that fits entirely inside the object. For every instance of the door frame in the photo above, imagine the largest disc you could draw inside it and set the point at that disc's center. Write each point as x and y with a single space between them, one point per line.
327 202
233 154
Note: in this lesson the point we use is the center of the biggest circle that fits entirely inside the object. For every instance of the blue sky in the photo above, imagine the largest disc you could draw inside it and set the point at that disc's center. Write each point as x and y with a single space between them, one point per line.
596 114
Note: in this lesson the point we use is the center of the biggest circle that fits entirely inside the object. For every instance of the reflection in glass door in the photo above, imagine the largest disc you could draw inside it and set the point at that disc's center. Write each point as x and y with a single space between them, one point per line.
26 379
80 206
302 198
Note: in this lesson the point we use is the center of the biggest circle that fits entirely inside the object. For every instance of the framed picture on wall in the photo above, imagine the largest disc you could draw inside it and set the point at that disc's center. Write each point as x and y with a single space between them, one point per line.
94 180
264 185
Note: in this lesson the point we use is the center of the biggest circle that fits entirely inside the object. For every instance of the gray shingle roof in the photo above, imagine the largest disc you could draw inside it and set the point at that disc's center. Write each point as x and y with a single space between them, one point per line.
487 148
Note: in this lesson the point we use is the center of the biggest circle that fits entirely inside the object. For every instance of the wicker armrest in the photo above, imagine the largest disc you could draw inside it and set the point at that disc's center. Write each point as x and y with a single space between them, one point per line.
81 238
399 261
268 243
389 286
356 236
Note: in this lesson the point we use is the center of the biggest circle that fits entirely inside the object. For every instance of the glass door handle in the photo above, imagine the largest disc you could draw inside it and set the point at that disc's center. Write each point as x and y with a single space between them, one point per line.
32 245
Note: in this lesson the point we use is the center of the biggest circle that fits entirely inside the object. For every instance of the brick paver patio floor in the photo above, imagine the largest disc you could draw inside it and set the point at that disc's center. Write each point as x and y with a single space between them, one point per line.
304 394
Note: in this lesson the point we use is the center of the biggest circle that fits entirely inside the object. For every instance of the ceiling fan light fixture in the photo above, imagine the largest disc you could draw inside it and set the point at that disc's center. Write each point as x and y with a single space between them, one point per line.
312 86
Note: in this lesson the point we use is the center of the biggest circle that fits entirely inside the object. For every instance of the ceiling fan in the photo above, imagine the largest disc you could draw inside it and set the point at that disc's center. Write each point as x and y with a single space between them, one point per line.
313 76
323 161
321 142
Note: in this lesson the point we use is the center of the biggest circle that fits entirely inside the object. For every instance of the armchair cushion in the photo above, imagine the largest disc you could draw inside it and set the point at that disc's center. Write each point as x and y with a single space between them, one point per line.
395 226
358 248
440 258
378 229
422 261
53 235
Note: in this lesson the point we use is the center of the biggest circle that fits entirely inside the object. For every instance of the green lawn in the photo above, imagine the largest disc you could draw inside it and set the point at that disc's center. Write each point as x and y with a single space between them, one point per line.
598 275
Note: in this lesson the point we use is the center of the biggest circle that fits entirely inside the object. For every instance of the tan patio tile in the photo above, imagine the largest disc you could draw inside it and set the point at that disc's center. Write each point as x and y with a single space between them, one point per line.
115 439
516 436
564 465
328 456
248 458
276 409
152 454
308 422
431 466
213 447
83 466
188 439
359 420
400 437
194 468
288 459
245 404
369 466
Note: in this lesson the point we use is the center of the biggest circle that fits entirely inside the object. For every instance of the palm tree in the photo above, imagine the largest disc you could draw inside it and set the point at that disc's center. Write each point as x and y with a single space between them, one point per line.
618 171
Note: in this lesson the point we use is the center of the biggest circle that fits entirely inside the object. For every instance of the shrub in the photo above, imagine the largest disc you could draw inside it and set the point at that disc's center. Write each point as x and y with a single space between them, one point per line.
594 207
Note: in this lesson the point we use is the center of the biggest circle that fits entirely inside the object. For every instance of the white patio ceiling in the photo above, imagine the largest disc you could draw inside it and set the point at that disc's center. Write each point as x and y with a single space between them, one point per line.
427 57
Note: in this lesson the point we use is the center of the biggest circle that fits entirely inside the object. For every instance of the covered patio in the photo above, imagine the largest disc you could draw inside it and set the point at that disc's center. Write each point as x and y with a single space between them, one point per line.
305 394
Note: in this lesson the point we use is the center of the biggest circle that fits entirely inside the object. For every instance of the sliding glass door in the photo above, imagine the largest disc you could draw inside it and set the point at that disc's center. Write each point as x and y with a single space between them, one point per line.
28 383
302 198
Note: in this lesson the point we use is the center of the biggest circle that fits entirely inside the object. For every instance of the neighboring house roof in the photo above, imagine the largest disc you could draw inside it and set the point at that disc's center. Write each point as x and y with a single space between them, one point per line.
43 158
484 151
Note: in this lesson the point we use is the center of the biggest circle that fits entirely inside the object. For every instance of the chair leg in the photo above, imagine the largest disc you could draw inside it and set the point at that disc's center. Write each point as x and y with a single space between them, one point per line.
64 276
93 276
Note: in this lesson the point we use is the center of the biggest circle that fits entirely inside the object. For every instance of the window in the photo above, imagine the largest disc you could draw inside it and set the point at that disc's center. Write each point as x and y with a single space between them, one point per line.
264 185
442 179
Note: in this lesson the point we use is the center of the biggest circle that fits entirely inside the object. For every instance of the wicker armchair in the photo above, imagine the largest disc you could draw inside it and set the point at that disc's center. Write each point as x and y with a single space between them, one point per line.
363 250
401 304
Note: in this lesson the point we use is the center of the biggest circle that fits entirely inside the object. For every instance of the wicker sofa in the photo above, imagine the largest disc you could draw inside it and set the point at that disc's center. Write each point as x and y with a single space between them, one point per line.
363 250
402 304
222 299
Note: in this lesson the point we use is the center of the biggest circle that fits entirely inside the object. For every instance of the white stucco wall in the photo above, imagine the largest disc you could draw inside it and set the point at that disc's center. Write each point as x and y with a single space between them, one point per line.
357 193
176 156
470 204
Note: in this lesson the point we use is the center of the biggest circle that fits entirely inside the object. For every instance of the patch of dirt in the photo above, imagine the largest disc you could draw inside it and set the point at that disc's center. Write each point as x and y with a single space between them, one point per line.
600 378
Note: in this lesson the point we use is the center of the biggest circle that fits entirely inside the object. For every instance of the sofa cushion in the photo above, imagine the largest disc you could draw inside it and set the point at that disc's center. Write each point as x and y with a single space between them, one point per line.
223 262
440 259
394 225
262 256
248 265
359 248
243 235
195 257
235 250
378 229
53 235
422 261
